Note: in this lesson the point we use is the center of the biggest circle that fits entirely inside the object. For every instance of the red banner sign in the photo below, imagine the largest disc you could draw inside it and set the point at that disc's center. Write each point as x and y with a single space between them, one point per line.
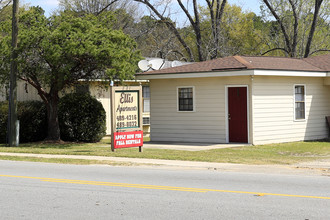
128 139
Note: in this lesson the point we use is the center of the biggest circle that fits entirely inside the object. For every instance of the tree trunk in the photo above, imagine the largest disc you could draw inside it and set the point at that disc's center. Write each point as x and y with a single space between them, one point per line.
295 28
52 118
283 29
318 4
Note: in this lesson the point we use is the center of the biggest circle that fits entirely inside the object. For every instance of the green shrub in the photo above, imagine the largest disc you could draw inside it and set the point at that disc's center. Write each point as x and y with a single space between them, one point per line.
32 116
3 121
33 121
81 118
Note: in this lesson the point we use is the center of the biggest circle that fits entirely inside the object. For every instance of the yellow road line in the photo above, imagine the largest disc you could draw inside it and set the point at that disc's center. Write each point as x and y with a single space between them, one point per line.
143 186
131 186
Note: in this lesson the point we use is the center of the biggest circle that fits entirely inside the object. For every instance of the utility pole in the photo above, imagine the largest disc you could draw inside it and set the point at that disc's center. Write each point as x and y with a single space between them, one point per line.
12 119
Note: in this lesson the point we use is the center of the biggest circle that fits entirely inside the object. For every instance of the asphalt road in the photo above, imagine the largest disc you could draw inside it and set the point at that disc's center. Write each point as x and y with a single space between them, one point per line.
55 191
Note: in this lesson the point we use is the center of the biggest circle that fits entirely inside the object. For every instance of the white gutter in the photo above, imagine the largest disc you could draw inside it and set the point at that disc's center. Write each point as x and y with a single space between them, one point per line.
116 80
233 73
195 75
289 73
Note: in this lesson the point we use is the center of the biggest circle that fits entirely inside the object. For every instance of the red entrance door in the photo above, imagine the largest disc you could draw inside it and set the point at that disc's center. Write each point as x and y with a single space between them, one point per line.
237 114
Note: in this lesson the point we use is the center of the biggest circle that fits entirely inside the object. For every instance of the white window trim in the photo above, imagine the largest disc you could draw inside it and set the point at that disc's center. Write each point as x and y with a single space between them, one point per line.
177 99
143 98
294 103
227 110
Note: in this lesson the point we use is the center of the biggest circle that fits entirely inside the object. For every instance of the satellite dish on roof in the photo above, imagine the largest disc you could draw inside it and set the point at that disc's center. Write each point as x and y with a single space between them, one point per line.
176 63
156 64
144 65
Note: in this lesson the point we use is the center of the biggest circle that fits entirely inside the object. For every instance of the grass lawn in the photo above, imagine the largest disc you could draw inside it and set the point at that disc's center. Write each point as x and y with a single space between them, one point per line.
287 153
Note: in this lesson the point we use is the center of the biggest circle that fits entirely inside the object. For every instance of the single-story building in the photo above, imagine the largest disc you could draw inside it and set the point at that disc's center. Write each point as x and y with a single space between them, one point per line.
246 99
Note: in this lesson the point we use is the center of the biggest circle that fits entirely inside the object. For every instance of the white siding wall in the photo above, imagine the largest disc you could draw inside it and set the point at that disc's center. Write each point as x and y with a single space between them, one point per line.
206 124
273 109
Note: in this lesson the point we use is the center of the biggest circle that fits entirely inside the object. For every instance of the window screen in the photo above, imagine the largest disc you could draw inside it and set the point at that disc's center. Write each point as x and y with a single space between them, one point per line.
146 98
186 99
299 102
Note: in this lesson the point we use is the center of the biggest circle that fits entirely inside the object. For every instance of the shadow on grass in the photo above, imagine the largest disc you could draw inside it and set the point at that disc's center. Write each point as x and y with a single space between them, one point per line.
83 151
320 140
42 145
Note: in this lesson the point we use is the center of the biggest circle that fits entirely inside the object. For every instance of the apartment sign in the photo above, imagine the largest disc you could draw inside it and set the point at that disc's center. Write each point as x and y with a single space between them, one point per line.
126 115
127 109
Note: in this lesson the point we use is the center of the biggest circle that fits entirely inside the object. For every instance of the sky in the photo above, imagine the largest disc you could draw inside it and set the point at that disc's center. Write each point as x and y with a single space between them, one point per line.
51 5
47 5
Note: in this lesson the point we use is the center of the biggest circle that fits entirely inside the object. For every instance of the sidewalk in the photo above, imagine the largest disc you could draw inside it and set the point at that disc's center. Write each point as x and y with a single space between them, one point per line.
189 146
310 168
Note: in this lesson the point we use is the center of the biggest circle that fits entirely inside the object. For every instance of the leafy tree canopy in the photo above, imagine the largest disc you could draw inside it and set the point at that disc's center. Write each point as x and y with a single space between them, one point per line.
63 49
56 52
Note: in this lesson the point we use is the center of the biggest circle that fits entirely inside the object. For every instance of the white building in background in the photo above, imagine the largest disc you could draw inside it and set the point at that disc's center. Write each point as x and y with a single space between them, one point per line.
26 92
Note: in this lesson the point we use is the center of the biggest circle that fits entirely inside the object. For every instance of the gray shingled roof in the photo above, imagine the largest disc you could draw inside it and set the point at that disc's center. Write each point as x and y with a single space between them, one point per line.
312 64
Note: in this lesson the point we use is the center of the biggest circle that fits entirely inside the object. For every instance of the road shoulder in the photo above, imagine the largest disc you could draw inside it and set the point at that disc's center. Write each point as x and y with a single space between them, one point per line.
307 168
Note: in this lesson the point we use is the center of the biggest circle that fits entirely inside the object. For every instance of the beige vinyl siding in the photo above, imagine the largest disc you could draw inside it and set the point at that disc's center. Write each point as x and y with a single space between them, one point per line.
2 94
26 92
103 96
208 121
273 109
327 81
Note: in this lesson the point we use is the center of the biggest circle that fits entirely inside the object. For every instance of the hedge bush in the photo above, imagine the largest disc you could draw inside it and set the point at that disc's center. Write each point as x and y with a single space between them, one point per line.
32 116
3 121
33 121
81 118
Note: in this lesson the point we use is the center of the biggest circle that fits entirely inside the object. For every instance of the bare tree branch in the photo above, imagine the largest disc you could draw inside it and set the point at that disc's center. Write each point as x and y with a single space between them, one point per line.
321 50
294 25
278 48
313 27
216 9
41 92
107 6
295 28
170 25
6 3
279 21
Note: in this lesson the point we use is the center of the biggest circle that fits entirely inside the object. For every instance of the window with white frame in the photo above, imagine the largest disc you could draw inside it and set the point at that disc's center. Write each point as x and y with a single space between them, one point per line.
299 98
186 99
146 98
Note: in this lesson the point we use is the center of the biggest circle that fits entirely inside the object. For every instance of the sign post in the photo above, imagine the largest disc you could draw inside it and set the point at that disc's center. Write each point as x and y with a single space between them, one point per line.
126 117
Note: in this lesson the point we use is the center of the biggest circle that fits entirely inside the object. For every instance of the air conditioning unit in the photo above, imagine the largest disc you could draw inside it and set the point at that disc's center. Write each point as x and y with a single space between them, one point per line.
146 120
